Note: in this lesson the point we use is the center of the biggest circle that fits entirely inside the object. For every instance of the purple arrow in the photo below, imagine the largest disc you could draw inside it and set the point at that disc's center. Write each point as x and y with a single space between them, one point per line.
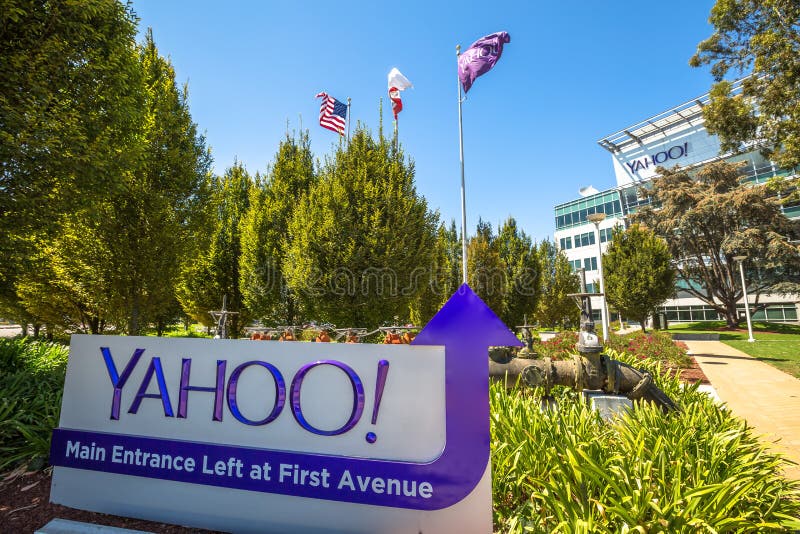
464 325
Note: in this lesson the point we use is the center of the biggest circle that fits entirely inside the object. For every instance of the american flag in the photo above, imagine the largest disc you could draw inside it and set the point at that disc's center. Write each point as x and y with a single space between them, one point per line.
332 113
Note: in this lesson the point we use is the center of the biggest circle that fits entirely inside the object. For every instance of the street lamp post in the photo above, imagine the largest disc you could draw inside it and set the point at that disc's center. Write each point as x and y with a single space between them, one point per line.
741 259
596 219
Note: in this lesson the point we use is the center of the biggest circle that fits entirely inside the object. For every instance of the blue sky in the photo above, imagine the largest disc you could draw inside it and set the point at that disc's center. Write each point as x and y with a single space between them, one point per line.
574 72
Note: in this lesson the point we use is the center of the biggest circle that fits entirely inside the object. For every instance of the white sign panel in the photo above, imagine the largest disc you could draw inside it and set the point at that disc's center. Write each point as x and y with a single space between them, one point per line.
267 436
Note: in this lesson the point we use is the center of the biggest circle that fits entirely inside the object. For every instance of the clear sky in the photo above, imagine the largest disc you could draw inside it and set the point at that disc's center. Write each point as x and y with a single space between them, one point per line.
574 72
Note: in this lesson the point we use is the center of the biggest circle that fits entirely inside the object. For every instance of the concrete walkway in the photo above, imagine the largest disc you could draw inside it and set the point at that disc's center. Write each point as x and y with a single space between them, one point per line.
768 399
10 330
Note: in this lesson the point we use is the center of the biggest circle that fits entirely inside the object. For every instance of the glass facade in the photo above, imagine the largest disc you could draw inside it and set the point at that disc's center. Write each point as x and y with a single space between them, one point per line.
577 212
782 312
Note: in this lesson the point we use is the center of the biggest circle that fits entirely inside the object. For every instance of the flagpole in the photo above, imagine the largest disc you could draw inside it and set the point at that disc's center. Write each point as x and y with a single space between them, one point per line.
348 120
396 138
463 191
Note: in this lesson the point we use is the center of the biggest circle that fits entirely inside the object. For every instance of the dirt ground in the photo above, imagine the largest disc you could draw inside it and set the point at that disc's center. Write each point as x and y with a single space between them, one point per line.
25 506
693 373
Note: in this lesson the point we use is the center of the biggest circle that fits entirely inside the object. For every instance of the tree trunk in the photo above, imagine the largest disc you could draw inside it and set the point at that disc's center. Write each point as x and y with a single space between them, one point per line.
732 316
94 325
643 322
160 327
289 310
36 328
49 329
133 320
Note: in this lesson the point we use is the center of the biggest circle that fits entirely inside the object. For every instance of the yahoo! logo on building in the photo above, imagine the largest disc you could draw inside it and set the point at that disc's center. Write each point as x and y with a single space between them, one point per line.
228 390
674 152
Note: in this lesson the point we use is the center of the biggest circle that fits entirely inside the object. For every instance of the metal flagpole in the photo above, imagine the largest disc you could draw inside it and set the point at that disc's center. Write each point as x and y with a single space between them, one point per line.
348 120
396 137
463 191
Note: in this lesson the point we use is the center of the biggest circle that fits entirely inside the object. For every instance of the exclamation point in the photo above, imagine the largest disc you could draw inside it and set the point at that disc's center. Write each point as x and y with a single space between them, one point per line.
380 382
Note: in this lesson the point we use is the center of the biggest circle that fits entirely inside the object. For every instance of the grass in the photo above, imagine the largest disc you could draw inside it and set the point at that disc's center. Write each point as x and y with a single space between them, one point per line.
776 344
177 330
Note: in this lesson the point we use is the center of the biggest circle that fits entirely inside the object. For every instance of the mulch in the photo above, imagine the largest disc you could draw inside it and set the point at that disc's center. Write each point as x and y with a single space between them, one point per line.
693 373
25 507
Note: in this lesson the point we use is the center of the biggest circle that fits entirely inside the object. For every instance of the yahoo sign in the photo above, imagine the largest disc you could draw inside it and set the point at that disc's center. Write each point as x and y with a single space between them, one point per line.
673 152
267 436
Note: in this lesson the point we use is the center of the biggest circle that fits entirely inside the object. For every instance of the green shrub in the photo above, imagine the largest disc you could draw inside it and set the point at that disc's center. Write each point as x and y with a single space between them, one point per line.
654 345
559 347
698 469
31 384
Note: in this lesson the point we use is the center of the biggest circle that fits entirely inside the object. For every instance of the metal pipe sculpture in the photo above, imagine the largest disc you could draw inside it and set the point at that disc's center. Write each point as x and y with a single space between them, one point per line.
586 370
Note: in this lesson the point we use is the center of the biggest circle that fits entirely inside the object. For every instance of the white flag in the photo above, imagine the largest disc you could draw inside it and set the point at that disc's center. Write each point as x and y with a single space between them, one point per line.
398 81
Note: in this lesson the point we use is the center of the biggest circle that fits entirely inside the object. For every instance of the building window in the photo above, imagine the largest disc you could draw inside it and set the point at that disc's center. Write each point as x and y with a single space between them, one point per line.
590 264
584 240
781 312
605 234
575 212
566 243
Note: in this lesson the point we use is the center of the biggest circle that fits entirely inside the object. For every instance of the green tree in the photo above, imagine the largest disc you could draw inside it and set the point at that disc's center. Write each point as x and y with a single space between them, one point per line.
66 283
265 232
115 261
213 274
485 269
444 277
362 240
638 272
522 273
555 308
69 119
151 213
761 38
710 218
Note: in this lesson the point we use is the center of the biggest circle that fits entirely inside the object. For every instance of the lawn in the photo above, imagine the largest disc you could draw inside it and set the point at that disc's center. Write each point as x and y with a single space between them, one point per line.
776 344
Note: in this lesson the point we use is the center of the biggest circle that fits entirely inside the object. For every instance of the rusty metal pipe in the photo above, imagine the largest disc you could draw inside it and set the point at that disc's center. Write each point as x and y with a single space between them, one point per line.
591 371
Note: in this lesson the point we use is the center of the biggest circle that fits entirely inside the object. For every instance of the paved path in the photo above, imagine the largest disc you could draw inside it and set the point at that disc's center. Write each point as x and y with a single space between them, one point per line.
10 330
768 399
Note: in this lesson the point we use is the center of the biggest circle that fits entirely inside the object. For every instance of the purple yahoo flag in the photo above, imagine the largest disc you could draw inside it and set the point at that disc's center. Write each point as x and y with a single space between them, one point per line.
479 58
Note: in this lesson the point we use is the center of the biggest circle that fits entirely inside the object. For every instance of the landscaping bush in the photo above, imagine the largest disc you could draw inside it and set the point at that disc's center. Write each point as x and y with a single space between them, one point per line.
561 346
697 469
652 345
31 384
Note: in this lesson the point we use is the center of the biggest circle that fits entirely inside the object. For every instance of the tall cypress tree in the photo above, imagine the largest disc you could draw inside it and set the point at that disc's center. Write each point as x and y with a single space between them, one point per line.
213 274
70 115
555 308
115 260
265 232
151 214
522 273
361 237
